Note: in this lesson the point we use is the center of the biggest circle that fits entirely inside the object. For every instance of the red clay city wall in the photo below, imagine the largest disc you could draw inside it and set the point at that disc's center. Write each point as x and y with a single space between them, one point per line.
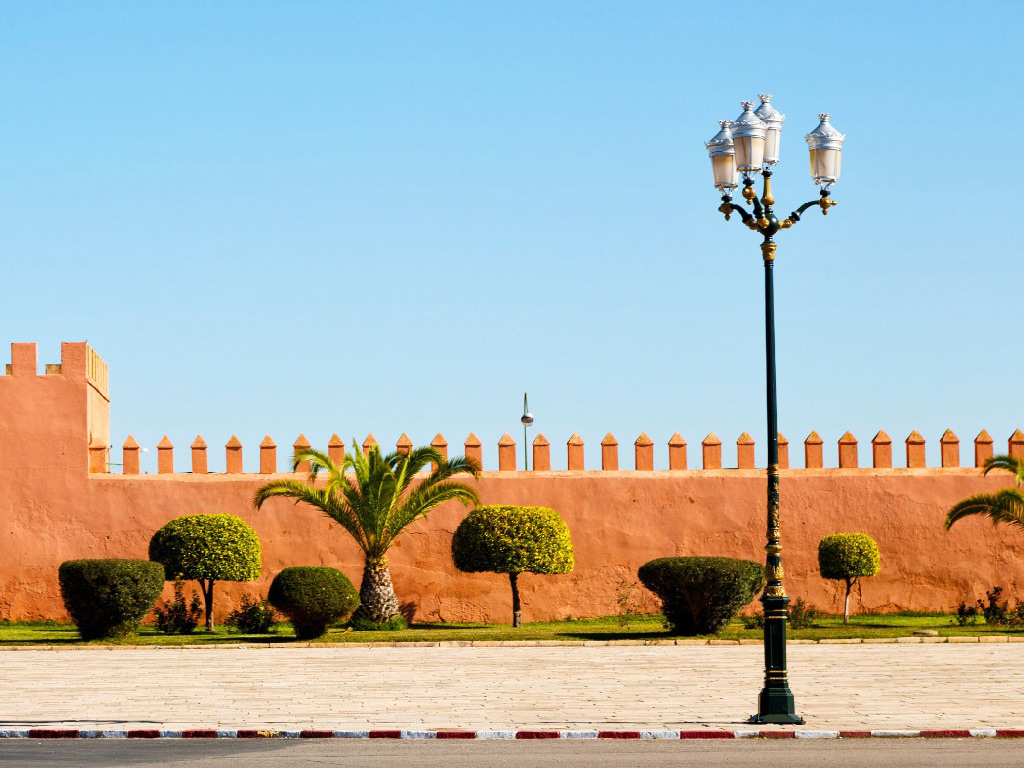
53 429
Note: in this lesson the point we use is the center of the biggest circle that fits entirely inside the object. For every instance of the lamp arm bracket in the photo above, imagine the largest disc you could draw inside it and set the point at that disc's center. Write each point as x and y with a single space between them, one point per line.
794 217
729 208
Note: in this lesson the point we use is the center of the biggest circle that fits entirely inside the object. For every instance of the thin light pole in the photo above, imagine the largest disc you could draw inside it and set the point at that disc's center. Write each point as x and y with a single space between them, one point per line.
527 419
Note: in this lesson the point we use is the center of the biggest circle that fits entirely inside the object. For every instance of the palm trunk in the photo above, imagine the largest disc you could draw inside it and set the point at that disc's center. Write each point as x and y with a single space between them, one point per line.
517 613
206 585
377 600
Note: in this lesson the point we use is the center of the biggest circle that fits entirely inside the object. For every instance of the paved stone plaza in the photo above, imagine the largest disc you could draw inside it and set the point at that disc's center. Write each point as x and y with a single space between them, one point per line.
870 686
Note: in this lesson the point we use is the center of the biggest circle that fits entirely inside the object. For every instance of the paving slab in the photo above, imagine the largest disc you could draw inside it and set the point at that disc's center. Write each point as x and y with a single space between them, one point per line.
866 686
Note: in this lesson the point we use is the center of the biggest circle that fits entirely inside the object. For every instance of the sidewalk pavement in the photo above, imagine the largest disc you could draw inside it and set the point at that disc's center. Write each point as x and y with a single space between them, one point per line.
837 687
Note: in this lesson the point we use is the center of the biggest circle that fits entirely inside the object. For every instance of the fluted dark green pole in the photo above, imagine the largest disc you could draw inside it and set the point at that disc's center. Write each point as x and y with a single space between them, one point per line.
775 704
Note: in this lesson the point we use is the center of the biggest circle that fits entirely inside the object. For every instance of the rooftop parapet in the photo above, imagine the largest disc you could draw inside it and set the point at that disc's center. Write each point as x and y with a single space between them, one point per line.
77 359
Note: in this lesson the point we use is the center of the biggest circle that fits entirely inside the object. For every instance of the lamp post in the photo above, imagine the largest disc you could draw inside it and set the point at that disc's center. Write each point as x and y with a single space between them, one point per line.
527 419
750 146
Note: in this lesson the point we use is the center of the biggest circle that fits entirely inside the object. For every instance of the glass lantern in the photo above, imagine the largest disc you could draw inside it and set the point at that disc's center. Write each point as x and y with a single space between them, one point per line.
722 152
826 145
748 135
773 120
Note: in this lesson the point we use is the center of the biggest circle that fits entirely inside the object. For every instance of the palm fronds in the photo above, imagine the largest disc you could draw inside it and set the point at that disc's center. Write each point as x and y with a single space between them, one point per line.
1004 506
375 496
1011 464
320 498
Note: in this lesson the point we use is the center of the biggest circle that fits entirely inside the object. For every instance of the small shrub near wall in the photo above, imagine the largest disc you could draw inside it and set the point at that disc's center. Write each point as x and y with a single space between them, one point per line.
179 616
107 599
251 617
700 595
312 597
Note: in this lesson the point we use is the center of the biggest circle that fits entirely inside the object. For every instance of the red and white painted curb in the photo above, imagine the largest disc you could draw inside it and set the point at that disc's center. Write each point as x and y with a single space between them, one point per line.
200 733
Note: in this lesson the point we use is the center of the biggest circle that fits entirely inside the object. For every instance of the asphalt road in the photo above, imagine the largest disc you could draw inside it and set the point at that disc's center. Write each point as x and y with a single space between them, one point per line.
873 753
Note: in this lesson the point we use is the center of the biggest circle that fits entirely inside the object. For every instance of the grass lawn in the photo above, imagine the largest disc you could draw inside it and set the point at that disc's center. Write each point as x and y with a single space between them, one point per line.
603 628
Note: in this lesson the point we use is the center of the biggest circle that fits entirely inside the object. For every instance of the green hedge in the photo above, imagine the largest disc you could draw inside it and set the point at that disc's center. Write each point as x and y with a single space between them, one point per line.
109 598
511 539
700 595
217 547
312 597
845 556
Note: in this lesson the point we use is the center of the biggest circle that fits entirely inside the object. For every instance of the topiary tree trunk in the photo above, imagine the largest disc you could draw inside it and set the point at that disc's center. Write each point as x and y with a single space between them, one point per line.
206 585
517 613
846 605
377 600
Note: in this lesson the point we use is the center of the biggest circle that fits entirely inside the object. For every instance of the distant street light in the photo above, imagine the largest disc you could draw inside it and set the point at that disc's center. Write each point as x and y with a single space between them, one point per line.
527 419
750 145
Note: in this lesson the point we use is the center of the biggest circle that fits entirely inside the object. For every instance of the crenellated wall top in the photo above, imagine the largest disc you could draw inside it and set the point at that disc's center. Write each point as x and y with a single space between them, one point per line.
608 449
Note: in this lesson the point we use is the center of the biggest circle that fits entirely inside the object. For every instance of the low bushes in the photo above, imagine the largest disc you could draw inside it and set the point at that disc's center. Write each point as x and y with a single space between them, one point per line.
700 595
993 612
179 616
251 617
363 624
312 597
109 598
801 615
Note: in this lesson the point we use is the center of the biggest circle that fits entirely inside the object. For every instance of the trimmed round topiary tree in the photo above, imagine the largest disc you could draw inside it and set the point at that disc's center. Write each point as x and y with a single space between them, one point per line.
109 598
700 595
207 548
848 557
313 596
513 540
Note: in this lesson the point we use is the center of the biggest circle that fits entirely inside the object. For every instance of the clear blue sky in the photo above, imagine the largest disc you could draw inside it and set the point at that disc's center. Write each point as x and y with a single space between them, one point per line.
345 217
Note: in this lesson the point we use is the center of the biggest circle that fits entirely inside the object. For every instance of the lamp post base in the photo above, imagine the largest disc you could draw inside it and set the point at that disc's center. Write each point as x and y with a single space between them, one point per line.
782 718
775 704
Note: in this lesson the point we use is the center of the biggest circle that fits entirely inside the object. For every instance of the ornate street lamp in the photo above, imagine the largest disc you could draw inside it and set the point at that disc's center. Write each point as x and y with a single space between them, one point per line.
754 140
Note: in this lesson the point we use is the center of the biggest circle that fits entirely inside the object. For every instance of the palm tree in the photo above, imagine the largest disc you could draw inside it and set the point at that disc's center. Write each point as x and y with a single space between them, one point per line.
374 498
1004 506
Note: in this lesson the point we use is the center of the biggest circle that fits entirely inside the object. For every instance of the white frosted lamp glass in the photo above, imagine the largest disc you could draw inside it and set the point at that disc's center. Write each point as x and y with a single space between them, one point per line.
723 161
748 135
825 145
724 169
773 131
825 165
